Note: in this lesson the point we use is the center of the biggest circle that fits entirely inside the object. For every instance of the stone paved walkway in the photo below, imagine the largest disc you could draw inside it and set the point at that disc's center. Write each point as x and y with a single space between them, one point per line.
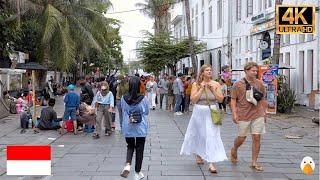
82 158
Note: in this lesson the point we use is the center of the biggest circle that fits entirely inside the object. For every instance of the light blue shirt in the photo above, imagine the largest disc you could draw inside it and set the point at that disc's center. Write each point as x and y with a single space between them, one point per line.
107 99
135 129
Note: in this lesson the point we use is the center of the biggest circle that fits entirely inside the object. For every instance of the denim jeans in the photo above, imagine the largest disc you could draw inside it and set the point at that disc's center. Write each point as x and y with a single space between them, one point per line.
69 112
161 100
177 107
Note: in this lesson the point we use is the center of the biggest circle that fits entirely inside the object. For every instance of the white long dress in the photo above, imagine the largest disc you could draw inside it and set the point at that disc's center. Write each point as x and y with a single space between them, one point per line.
152 93
203 137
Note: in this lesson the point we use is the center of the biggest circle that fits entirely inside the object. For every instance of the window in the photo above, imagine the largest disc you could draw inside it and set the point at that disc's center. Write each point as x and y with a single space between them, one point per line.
210 19
201 62
246 60
251 43
202 24
202 4
281 62
196 9
301 38
301 70
196 30
287 62
246 44
281 40
239 45
250 59
310 78
219 12
238 10
259 6
309 37
270 3
236 46
192 13
286 39
265 4
249 8
192 27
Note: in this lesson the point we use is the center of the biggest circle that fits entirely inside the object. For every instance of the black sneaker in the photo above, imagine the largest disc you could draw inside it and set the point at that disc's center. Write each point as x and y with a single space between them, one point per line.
23 131
96 136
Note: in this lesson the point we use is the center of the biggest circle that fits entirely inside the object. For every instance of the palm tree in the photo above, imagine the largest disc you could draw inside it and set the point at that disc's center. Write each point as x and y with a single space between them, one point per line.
157 10
68 27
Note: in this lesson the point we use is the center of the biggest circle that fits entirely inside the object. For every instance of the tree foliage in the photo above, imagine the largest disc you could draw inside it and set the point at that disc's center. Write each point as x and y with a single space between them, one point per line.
157 10
160 51
69 29
8 32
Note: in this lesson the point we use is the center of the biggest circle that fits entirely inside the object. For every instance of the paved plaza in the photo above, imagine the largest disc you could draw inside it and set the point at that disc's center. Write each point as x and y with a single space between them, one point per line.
82 158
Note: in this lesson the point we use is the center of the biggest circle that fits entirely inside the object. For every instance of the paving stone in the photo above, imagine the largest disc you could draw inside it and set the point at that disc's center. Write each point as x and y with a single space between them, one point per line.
302 176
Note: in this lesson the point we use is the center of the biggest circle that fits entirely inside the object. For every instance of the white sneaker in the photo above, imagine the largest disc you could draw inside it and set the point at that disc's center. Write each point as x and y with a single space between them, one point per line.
138 176
126 170
178 113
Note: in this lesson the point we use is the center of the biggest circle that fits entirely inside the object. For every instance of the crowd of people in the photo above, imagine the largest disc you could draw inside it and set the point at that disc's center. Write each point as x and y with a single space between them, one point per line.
134 97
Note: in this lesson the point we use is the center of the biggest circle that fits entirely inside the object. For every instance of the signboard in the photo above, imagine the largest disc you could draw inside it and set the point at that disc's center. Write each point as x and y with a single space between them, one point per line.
262 27
268 74
264 45
295 19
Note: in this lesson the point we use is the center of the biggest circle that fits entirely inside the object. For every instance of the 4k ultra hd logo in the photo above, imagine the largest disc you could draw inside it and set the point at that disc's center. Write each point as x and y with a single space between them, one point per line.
295 19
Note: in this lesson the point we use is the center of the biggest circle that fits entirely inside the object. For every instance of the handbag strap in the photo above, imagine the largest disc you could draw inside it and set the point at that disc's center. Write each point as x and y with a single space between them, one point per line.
207 99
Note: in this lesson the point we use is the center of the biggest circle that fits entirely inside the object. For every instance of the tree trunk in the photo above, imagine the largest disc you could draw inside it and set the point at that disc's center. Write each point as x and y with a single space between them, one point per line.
276 47
19 13
191 46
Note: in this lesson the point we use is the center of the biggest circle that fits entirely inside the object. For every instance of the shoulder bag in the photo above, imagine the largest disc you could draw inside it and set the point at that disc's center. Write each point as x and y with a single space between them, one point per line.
216 115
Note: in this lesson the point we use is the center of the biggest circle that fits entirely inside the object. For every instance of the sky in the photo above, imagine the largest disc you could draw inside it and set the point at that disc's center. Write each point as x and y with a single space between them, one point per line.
132 24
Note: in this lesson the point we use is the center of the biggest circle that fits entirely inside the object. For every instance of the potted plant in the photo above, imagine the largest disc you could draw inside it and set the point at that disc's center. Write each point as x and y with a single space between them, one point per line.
286 99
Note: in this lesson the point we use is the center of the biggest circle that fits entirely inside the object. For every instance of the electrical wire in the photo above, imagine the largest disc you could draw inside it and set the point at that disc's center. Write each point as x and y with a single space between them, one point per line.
139 9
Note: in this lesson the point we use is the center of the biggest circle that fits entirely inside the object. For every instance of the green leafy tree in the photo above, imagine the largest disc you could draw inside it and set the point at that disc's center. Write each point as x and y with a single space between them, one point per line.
8 31
69 28
110 58
160 51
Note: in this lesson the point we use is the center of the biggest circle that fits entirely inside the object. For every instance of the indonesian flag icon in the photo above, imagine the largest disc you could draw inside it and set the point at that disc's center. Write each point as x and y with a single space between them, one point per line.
29 160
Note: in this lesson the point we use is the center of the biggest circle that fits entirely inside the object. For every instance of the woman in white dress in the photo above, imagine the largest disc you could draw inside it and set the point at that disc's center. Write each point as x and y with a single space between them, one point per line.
203 137
152 89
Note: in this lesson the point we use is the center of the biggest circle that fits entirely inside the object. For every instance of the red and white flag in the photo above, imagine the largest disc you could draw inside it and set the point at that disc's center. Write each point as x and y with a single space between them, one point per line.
29 160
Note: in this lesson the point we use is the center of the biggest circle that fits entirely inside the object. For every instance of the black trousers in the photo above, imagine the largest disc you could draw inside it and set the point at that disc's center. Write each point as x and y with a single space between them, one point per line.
223 104
135 143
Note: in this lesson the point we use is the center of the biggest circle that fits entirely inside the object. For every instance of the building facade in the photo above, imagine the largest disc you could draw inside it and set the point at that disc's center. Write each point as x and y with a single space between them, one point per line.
234 32
209 25
254 22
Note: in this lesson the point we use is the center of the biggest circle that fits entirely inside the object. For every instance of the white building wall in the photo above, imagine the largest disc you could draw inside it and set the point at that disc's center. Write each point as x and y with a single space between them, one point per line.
304 79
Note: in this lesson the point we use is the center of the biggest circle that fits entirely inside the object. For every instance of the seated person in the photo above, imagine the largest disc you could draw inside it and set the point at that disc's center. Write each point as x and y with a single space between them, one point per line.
48 118
86 115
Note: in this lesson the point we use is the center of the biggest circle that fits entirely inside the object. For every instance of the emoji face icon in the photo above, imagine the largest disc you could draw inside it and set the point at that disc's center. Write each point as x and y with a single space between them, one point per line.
307 165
